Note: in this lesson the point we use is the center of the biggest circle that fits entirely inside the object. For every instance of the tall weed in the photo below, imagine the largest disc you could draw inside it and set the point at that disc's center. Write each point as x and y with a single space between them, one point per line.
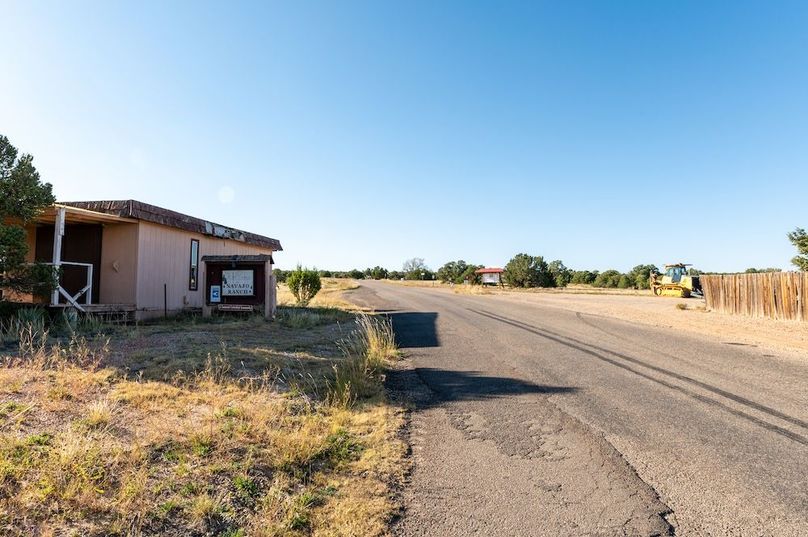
367 351
25 320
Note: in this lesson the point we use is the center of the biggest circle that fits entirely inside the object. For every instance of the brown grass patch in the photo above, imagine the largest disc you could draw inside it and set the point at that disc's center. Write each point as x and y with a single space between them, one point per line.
233 427
330 295
462 289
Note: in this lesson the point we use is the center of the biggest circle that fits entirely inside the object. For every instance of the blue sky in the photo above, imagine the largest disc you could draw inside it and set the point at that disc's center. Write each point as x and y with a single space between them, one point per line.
606 134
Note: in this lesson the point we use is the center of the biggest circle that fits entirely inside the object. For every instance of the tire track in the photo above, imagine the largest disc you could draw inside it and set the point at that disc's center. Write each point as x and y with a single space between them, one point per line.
598 352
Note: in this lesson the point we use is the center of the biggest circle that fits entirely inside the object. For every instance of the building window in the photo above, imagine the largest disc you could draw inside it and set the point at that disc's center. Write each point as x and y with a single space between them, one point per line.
193 280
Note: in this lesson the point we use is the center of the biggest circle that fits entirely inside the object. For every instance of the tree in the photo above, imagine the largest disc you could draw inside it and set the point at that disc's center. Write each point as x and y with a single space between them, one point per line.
449 272
753 270
470 275
561 275
22 196
304 284
608 278
585 277
356 274
640 276
799 238
378 273
415 269
457 272
525 270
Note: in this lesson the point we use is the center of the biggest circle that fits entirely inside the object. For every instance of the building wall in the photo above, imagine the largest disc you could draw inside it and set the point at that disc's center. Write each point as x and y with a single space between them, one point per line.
119 262
164 258
30 241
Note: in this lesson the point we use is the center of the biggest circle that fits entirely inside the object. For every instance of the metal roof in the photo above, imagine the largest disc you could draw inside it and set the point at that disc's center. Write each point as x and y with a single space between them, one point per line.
138 210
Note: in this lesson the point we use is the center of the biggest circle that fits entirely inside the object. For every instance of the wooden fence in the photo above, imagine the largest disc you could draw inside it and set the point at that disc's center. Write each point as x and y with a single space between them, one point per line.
779 295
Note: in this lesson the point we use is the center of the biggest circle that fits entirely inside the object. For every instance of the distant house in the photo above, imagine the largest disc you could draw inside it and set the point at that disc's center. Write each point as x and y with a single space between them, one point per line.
142 261
490 276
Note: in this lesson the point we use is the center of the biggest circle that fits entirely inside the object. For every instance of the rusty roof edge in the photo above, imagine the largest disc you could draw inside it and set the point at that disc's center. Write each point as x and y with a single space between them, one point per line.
80 210
158 215
238 257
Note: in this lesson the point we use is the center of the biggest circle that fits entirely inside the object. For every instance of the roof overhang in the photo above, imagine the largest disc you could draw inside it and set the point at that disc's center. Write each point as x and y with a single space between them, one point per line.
259 258
75 215
489 271
139 211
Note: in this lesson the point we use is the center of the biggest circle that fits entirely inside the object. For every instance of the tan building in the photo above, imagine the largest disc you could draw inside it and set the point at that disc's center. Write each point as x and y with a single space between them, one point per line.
145 261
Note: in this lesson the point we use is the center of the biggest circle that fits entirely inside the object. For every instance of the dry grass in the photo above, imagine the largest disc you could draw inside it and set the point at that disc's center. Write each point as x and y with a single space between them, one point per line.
234 427
367 351
329 297
471 290
574 289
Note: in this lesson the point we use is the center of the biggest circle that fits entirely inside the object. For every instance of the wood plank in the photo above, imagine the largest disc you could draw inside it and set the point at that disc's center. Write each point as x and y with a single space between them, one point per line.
774 295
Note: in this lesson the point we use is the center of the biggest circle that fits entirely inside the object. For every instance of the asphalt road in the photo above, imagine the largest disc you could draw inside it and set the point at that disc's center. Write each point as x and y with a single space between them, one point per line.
531 420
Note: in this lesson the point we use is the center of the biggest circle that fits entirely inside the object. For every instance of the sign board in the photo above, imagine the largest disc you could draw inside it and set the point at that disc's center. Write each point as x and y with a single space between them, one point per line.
215 293
234 307
237 283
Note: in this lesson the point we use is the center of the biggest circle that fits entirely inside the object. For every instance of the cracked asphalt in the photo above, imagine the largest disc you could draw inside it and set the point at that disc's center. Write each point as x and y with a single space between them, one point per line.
533 420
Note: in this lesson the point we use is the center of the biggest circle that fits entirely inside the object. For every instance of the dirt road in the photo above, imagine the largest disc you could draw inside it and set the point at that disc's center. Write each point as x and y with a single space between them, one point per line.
535 420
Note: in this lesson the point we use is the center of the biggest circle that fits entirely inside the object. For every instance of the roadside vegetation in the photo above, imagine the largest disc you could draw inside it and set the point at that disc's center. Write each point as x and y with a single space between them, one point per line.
522 271
799 238
529 271
230 426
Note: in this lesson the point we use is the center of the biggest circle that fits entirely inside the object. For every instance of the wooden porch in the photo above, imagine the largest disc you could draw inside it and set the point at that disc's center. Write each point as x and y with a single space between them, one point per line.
108 313
80 268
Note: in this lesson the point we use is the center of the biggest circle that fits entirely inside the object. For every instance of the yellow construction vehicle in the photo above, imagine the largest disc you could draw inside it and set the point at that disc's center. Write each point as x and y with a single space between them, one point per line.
675 282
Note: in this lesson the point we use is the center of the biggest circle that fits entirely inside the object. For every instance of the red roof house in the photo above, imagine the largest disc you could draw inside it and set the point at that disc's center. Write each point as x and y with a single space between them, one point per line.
490 276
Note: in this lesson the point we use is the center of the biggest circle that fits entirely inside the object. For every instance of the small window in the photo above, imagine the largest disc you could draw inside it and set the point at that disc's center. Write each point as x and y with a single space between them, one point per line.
193 280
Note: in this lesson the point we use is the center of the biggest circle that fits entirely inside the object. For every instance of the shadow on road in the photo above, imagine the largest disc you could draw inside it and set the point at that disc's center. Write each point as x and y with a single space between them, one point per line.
428 387
415 329
446 386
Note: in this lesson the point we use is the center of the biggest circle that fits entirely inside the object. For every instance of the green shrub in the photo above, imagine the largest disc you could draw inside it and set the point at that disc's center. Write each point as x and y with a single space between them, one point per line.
528 271
28 319
458 272
608 278
378 273
299 318
583 277
640 276
799 238
561 274
304 284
